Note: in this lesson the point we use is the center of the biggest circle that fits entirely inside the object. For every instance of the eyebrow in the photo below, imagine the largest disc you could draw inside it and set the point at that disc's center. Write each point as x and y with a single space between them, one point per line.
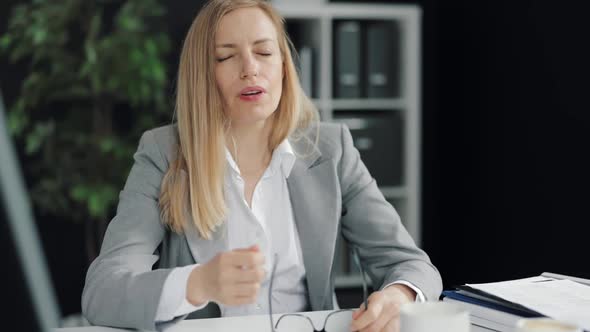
259 41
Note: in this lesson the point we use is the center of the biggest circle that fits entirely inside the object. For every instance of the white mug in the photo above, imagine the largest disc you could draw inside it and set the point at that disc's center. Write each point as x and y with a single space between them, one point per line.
543 324
434 316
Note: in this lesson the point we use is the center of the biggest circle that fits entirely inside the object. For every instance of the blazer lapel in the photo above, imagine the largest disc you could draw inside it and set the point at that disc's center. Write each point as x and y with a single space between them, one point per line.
313 191
204 250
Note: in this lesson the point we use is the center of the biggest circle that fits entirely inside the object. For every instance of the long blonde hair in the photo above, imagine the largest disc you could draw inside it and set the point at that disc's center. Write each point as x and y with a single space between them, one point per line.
193 185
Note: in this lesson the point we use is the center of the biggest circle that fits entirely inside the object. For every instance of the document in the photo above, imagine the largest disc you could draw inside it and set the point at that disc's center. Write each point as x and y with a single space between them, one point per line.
564 300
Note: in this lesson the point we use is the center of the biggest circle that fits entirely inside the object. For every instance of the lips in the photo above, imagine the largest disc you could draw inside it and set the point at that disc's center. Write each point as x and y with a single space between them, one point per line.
252 91
252 94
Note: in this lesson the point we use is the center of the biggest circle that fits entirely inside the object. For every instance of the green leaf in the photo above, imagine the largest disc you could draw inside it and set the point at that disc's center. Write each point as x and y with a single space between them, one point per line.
35 139
106 144
136 57
90 52
159 72
150 47
79 193
95 205
130 23
33 143
99 201
5 42
17 118
39 36
95 25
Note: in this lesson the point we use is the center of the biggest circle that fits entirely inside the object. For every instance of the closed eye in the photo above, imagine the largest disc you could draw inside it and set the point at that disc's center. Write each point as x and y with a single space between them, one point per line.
223 59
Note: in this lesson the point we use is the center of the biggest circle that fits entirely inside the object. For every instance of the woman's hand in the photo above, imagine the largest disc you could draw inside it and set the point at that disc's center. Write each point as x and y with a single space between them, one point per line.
231 278
383 312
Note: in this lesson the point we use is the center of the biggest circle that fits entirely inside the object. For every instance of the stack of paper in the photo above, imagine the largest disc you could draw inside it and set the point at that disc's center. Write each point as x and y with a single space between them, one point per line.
499 305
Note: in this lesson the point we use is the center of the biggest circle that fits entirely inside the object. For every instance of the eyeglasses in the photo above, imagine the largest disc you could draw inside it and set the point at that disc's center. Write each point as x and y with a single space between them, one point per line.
336 321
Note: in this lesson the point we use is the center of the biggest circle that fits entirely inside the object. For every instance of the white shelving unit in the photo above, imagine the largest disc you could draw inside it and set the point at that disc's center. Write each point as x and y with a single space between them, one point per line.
315 21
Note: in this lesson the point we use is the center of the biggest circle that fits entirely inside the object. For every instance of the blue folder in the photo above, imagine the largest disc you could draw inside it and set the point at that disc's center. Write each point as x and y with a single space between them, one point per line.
495 304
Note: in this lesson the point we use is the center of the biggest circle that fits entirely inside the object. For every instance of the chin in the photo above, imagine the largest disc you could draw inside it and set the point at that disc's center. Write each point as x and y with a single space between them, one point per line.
253 115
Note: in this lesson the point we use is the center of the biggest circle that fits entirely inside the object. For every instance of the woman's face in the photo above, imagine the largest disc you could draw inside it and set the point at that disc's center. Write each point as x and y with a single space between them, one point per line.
249 66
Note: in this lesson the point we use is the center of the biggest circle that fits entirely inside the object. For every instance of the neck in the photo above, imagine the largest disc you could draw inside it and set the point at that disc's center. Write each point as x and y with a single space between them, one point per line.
250 151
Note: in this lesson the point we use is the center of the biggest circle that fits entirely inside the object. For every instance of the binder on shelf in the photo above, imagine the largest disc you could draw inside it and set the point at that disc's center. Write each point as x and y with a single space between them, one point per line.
382 74
347 59
378 137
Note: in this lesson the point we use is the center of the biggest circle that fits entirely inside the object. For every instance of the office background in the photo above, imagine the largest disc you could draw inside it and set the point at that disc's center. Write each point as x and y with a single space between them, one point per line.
505 132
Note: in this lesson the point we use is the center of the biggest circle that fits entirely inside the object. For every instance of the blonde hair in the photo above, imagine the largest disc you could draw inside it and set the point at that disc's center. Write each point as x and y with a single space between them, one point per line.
194 182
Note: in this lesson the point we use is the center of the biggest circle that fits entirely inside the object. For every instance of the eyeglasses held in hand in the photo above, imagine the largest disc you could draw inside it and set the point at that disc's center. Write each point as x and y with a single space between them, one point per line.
336 321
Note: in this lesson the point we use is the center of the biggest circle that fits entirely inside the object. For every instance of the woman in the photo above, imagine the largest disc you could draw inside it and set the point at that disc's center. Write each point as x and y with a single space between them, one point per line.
247 173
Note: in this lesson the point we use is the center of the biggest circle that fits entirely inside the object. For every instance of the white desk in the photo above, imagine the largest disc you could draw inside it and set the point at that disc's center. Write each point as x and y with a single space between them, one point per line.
258 323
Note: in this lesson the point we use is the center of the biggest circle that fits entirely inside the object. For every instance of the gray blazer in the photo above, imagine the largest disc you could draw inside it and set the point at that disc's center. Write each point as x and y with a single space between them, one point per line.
331 191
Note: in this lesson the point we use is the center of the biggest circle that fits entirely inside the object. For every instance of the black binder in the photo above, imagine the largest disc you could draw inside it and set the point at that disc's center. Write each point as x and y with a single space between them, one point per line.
383 47
378 136
347 56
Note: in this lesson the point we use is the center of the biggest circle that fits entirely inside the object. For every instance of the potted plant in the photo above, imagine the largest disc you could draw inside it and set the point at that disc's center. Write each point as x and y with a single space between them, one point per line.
96 79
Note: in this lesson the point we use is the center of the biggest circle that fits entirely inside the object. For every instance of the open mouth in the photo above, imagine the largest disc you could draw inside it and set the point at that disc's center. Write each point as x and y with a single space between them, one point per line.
251 93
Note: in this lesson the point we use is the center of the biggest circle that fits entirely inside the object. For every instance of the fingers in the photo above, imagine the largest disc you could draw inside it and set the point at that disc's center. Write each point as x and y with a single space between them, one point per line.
255 275
379 324
240 273
366 317
381 315
242 267
234 294
357 312
245 290
243 300
253 247
393 325
241 294
241 259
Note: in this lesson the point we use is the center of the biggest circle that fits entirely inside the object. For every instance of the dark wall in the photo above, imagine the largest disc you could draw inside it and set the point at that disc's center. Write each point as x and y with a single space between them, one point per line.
506 133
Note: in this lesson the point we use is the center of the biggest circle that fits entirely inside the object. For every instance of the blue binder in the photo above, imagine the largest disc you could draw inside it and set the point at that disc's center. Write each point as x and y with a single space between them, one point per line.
503 305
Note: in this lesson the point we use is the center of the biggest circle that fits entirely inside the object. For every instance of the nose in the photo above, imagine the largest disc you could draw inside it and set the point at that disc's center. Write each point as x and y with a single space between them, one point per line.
249 67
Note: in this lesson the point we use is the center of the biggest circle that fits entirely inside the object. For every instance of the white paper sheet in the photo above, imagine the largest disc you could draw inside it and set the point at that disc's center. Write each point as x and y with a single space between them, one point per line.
563 300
